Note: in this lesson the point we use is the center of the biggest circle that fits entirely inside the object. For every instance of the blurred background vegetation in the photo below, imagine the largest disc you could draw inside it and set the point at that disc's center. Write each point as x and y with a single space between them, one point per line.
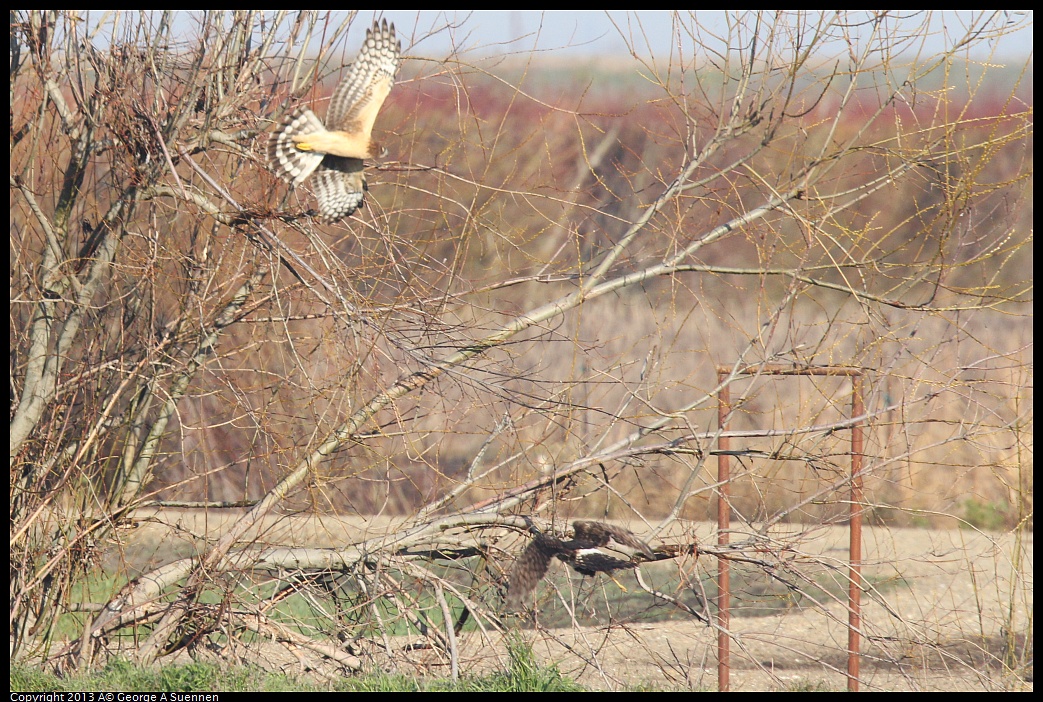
183 333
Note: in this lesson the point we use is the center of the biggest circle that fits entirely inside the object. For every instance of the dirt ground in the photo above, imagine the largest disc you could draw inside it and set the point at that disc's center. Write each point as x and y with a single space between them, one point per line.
943 627
949 607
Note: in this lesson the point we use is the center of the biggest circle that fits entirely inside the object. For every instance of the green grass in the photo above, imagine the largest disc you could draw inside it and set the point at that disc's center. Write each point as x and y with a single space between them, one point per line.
811 686
598 600
343 610
989 516
127 677
523 674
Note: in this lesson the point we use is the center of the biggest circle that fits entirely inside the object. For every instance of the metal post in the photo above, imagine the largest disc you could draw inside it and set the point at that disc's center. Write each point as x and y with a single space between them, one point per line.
854 522
723 525
854 595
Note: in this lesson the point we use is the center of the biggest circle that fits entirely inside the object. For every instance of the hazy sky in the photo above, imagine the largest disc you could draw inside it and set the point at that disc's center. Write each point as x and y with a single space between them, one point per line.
595 32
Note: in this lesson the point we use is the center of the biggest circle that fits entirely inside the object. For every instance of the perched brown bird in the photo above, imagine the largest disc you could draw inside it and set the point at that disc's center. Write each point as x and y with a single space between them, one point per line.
582 552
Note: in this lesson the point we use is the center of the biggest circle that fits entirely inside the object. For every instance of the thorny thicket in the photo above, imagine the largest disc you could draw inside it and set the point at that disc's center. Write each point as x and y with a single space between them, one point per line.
520 325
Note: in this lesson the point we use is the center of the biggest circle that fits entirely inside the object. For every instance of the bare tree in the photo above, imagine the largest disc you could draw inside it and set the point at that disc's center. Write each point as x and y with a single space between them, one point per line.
521 324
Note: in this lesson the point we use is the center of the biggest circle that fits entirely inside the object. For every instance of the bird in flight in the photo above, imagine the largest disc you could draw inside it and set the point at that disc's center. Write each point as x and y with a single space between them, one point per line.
583 552
332 155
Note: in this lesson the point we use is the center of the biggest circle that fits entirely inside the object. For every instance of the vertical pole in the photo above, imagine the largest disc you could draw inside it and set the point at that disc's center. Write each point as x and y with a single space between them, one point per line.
854 621
723 525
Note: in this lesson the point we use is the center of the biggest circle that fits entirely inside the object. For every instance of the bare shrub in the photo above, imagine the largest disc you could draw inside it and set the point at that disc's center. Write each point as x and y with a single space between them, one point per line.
519 327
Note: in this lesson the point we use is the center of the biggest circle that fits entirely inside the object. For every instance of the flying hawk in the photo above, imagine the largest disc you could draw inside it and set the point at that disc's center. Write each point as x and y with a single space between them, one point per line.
332 155
582 552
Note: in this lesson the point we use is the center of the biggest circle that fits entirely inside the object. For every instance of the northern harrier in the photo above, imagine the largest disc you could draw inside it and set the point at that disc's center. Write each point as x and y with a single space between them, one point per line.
332 154
582 552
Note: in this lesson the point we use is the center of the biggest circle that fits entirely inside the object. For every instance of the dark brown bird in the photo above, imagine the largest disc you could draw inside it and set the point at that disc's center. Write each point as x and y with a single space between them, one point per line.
581 552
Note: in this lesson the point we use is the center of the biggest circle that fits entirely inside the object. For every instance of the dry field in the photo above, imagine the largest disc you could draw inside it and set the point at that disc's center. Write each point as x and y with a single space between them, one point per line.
526 317
945 605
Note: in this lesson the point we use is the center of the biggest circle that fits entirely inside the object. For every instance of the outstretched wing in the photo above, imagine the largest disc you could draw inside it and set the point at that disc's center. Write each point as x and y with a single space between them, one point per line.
303 148
591 561
358 98
530 568
289 163
599 534
340 186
